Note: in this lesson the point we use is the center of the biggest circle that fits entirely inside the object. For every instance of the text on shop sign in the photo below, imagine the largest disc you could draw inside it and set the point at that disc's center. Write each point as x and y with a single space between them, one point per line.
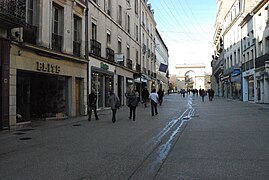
50 68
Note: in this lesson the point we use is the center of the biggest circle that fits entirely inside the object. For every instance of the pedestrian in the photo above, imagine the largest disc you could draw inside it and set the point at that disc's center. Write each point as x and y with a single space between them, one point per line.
211 93
114 103
92 105
137 95
132 103
145 96
203 95
154 98
160 94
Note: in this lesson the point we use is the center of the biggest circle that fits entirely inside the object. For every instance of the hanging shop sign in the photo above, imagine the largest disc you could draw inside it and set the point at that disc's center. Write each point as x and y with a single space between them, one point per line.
46 67
104 66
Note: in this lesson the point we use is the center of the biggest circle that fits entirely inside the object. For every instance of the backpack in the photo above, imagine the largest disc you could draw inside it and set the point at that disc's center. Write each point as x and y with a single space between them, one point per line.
117 100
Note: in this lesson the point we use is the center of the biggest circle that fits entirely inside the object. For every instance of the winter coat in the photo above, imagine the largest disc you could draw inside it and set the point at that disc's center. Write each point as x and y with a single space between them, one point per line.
112 101
132 99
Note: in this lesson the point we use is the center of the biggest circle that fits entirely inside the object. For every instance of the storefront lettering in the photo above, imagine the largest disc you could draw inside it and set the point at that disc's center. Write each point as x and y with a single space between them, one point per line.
104 66
50 68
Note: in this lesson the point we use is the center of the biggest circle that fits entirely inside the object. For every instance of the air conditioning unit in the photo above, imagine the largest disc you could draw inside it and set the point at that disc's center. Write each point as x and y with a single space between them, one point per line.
17 34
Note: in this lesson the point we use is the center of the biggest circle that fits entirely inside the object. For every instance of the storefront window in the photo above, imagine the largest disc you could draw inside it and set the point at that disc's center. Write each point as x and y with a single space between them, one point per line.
103 84
251 88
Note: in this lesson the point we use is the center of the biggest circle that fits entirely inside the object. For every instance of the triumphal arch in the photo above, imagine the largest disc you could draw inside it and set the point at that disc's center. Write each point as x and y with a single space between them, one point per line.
190 76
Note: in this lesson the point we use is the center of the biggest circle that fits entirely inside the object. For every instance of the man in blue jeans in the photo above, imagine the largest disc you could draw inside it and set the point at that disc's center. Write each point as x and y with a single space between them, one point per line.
154 98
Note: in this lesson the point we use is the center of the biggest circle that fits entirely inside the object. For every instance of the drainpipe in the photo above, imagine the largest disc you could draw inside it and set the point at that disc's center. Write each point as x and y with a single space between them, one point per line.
87 49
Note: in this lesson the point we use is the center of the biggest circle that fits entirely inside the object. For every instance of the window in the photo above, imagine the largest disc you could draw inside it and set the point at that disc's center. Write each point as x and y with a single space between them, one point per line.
57 19
128 23
143 23
77 36
77 29
119 46
30 12
136 32
260 48
120 15
128 52
234 60
267 44
57 27
94 31
136 6
108 40
109 7
136 56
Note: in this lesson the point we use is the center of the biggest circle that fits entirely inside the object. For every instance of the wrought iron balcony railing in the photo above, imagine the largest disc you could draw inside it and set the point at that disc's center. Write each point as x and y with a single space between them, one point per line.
30 34
129 64
138 68
95 48
110 54
12 13
57 42
76 48
144 70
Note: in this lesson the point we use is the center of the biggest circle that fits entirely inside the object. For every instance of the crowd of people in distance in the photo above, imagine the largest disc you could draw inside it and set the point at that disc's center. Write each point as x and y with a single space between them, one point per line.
200 92
133 97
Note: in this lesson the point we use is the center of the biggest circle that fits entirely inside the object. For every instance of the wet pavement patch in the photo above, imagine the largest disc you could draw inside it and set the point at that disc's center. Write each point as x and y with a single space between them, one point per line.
18 133
24 130
25 138
76 124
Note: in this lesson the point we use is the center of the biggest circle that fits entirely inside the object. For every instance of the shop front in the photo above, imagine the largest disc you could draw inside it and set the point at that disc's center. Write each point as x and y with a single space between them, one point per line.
45 88
236 84
248 85
102 80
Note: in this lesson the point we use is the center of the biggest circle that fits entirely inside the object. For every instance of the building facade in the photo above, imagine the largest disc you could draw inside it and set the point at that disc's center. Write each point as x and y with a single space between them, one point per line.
54 52
239 60
46 76
162 57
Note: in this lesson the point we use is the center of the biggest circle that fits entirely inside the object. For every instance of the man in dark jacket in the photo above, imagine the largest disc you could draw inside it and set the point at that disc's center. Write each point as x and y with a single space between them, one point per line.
132 103
145 96
92 105
160 94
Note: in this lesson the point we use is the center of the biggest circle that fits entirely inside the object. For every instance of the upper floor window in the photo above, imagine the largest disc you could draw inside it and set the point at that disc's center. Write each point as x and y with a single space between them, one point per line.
119 46
128 23
109 9
136 6
128 52
143 22
30 12
77 29
57 19
267 44
120 15
94 31
136 32
108 40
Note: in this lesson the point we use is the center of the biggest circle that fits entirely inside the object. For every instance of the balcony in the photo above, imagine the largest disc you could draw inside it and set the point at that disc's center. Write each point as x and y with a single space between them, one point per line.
12 13
129 64
30 34
110 54
260 61
138 68
76 48
144 70
95 48
57 42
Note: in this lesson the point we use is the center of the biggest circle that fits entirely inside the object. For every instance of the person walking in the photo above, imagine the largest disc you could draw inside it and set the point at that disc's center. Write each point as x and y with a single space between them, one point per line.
145 96
132 103
203 95
92 105
154 98
114 103
160 94
211 93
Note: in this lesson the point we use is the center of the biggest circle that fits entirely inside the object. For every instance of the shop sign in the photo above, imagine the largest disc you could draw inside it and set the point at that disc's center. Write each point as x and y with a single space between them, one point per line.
236 72
46 67
130 81
104 66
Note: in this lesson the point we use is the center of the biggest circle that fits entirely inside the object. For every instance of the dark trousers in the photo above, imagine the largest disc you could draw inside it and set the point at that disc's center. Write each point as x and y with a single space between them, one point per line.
153 108
145 101
114 111
161 101
92 108
132 112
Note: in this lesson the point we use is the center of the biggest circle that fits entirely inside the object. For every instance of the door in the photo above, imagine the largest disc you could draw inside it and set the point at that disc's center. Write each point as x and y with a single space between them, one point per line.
78 97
